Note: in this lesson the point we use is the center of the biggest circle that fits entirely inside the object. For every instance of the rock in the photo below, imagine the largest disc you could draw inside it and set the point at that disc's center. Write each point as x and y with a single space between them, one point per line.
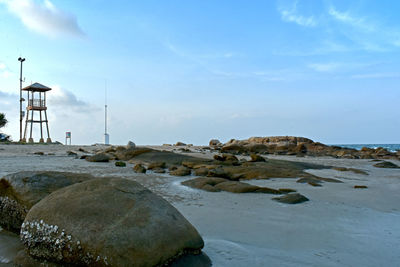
256 158
101 157
21 190
170 158
386 164
215 143
138 168
360 186
173 168
201 171
131 145
71 153
227 158
180 144
286 190
82 150
108 221
292 198
189 164
219 172
300 149
217 184
233 148
218 157
357 171
40 153
314 184
110 149
257 148
158 170
309 180
123 153
181 171
120 164
84 156
156 165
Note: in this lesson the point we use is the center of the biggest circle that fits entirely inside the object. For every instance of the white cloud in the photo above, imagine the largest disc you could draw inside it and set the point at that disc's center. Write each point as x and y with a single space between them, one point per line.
291 15
44 18
60 97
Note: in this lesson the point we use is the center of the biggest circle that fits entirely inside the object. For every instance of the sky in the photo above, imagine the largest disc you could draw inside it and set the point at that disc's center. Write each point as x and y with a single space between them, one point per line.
192 71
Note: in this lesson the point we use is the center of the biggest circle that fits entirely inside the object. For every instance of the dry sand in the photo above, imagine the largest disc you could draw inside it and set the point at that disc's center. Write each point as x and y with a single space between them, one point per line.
339 226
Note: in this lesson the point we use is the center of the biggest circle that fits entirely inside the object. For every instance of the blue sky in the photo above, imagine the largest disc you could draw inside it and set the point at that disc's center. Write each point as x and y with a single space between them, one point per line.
196 70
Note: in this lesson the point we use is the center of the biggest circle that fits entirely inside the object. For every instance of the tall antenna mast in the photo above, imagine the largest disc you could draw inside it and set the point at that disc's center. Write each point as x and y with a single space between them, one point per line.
106 135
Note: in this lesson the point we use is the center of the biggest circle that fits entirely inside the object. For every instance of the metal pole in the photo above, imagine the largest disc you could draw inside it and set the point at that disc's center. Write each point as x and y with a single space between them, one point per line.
105 114
20 100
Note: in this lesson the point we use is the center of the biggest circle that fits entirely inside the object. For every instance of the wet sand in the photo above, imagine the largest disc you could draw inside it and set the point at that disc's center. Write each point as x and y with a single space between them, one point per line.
339 226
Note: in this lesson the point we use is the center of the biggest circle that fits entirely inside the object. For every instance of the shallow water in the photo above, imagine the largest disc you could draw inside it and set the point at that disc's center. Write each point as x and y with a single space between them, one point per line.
9 246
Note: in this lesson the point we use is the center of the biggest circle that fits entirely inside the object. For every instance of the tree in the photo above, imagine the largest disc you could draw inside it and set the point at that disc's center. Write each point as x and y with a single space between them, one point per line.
3 120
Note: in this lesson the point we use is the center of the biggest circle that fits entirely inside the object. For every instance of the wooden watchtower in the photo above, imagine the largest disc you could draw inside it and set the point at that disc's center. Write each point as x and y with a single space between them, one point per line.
36 102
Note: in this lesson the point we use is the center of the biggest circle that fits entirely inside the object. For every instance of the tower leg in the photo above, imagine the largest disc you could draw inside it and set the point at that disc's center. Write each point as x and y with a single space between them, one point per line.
47 126
41 129
30 136
26 126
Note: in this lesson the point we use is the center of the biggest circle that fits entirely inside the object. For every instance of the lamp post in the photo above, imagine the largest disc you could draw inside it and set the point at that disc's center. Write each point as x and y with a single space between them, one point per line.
20 100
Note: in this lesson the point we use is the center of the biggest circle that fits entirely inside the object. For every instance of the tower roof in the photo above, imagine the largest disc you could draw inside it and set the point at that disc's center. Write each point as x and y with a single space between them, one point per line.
37 87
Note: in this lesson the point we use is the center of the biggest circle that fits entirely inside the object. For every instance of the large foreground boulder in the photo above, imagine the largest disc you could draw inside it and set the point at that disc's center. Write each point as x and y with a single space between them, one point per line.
108 221
21 190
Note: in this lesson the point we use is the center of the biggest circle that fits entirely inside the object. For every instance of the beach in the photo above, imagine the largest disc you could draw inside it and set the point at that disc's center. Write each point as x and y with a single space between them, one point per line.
339 226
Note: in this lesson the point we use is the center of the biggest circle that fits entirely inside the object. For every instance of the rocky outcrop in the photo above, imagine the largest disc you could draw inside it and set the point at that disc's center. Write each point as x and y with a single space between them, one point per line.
107 222
300 146
20 191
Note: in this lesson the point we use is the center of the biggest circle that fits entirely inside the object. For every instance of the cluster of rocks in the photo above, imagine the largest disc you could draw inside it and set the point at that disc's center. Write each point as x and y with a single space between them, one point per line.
80 220
299 146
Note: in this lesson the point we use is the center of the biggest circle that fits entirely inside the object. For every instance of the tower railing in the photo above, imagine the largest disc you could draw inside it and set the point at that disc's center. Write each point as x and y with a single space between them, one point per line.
36 103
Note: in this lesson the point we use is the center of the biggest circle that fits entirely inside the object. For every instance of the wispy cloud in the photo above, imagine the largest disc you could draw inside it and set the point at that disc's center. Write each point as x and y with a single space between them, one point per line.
354 21
377 76
331 67
365 32
291 14
44 18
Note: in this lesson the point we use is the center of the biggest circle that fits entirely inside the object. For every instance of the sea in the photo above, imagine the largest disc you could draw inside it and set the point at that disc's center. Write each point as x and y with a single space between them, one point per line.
389 147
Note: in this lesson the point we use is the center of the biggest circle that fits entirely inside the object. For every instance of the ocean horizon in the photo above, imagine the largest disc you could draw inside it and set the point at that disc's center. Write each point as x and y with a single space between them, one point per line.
389 147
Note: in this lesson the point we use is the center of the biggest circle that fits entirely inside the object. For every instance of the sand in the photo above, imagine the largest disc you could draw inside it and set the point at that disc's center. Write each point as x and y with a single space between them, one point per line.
339 226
